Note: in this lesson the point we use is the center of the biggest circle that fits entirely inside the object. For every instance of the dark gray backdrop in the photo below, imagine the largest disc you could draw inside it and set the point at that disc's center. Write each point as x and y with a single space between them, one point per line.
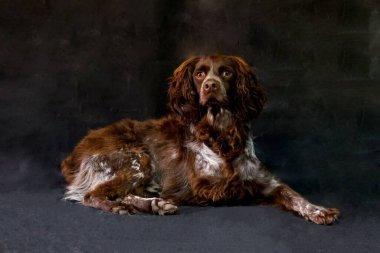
69 66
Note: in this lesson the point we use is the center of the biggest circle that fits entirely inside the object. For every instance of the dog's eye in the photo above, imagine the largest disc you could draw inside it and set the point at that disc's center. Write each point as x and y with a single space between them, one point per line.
200 74
226 73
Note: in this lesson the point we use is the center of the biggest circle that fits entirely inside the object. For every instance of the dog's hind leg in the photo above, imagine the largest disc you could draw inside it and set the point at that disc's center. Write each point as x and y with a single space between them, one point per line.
109 197
120 182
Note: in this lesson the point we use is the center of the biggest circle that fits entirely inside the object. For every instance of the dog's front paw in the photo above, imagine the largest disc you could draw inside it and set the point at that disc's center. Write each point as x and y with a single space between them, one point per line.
321 215
163 207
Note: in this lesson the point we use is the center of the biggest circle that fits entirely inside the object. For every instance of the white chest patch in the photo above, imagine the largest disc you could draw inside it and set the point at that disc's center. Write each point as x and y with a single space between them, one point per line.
207 162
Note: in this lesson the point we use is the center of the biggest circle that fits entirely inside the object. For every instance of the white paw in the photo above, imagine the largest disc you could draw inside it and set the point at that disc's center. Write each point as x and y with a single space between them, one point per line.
163 207
322 215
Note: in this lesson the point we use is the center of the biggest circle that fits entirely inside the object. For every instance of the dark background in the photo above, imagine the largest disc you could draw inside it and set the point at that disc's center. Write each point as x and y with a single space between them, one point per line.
69 66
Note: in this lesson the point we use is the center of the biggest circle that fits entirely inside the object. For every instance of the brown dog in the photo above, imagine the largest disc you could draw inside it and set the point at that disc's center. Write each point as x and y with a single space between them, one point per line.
201 153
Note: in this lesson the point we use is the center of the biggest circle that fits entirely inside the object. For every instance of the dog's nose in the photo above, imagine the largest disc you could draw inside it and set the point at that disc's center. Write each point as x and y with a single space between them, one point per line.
211 86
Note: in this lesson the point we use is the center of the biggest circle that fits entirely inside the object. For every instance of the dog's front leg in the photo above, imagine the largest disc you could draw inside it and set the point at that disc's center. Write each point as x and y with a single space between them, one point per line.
286 198
277 193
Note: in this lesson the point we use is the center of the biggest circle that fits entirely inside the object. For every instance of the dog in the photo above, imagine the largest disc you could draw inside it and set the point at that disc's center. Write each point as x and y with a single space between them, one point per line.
201 153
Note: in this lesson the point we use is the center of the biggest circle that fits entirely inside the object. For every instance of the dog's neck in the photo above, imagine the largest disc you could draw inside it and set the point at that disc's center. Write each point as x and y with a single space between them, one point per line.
220 131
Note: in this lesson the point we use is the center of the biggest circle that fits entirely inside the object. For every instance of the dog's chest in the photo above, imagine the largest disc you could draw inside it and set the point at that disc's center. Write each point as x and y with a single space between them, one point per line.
247 164
208 163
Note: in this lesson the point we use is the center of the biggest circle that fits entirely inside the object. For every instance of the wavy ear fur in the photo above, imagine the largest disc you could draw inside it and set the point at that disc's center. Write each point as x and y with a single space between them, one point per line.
183 98
249 97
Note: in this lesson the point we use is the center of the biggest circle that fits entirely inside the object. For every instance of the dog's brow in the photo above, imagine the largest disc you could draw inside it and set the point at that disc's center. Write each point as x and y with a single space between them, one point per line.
203 67
225 67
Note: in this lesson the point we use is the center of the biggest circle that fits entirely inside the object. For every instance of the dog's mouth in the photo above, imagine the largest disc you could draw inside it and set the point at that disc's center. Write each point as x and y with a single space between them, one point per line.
213 106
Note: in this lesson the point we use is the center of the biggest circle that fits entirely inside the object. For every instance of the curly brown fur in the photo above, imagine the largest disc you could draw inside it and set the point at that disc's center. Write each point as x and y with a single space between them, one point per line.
199 154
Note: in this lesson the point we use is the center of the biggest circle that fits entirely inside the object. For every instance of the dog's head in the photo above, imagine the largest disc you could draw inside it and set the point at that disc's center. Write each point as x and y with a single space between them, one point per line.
213 83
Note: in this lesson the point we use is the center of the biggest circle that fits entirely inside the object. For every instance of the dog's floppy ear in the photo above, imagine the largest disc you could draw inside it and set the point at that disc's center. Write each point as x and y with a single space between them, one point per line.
183 98
249 97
